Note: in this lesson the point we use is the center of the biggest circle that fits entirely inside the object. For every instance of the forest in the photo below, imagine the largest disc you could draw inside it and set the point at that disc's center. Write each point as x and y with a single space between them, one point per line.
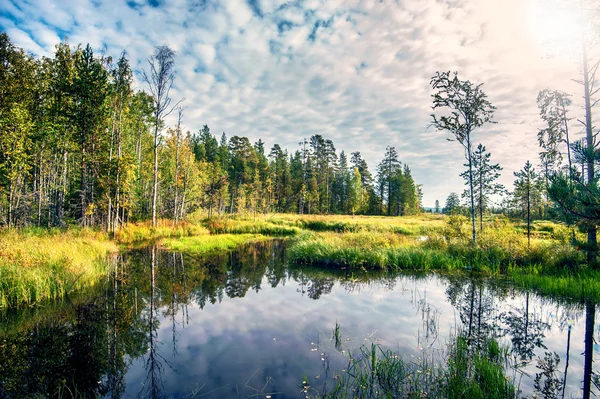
78 144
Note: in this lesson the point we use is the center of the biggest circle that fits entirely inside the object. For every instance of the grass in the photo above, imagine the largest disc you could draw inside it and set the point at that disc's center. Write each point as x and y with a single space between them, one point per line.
136 234
236 226
37 265
467 371
210 243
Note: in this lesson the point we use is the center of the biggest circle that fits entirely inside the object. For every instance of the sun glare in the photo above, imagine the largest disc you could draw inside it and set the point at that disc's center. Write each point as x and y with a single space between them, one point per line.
550 26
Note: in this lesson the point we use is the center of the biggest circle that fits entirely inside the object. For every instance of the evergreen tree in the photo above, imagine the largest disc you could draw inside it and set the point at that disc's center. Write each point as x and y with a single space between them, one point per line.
484 184
528 193
452 204
387 176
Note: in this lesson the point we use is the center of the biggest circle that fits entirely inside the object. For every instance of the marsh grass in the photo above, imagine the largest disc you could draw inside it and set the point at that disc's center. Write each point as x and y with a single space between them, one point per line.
236 226
466 371
36 266
550 264
210 243
136 234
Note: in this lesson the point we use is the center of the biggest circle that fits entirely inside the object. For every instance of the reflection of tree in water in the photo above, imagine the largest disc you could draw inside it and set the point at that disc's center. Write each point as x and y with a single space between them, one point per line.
77 348
477 307
526 329
64 355
153 386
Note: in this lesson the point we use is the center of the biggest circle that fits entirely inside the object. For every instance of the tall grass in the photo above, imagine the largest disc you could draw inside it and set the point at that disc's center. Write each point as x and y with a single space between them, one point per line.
36 266
143 232
236 226
552 265
466 372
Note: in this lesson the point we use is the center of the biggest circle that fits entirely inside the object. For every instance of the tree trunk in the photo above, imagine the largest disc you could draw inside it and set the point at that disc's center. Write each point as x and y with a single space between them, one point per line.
591 230
469 158
82 187
155 173
528 212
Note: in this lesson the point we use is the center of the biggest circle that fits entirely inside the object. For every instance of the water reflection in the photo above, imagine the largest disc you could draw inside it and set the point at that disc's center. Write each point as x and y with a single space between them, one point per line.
246 324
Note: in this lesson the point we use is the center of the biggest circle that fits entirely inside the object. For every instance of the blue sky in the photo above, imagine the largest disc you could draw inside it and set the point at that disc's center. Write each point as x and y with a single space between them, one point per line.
356 72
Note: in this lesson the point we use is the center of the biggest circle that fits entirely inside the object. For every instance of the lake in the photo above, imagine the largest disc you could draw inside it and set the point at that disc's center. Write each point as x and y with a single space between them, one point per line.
247 324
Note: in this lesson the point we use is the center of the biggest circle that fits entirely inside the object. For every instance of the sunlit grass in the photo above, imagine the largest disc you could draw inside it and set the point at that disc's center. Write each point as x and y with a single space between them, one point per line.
36 266
143 232
210 243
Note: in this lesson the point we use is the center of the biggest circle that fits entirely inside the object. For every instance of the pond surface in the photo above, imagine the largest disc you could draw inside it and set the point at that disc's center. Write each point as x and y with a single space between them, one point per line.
247 324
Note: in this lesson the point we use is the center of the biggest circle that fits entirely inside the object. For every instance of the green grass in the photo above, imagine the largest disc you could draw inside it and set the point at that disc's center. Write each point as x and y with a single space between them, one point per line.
38 266
210 243
578 286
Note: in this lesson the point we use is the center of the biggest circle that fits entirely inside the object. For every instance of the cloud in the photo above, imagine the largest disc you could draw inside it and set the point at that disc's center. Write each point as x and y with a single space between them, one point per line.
356 72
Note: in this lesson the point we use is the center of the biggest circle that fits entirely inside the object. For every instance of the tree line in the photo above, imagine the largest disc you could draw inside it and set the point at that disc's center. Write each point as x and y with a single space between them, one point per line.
79 144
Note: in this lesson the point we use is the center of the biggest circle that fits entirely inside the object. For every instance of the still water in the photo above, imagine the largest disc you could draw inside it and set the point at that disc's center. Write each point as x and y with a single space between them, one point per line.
246 324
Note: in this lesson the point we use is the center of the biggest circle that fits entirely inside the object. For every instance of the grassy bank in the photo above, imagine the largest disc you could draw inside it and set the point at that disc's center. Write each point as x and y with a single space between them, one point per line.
37 264
549 264
210 243
140 234
47 264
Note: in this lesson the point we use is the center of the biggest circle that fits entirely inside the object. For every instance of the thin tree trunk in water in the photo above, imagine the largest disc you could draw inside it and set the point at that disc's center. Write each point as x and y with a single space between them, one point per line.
471 308
526 317
590 314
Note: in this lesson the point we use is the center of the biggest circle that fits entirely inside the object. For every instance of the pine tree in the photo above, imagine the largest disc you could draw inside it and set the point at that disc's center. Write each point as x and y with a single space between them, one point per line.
485 175
528 193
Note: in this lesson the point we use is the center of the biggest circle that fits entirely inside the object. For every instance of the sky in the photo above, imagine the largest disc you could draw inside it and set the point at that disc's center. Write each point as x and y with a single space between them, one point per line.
356 72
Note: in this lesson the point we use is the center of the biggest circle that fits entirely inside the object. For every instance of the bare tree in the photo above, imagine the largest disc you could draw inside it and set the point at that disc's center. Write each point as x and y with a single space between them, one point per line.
160 81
